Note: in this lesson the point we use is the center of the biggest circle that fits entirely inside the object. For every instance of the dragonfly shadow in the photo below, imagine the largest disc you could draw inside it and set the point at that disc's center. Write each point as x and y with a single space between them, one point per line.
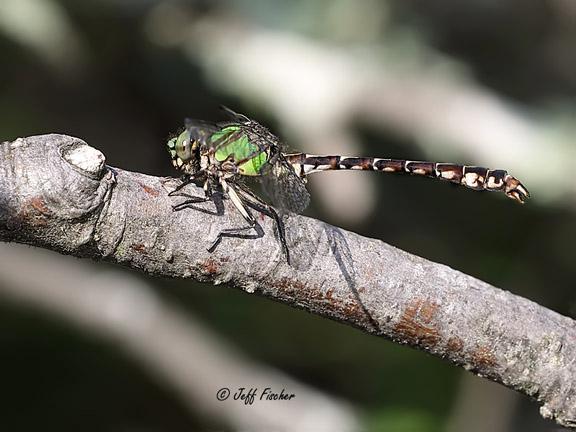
341 251
303 242
236 233
218 199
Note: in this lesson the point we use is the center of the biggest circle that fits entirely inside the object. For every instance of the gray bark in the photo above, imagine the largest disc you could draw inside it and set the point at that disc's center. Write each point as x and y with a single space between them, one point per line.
56 192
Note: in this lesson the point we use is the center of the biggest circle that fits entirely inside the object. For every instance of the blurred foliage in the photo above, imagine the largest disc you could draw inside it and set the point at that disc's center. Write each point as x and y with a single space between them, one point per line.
56 378
125 95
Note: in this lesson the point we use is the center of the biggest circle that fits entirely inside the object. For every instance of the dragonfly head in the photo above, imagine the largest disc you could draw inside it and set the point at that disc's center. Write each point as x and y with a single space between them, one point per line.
184 152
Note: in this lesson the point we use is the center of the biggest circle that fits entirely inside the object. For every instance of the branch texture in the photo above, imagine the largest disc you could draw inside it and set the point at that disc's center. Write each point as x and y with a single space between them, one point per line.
56 192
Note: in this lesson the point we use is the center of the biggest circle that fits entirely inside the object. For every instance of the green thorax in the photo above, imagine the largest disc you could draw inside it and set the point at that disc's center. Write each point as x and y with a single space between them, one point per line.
233 143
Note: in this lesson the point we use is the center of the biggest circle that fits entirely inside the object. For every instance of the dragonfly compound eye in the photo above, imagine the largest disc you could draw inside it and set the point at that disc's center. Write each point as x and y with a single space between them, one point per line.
181 149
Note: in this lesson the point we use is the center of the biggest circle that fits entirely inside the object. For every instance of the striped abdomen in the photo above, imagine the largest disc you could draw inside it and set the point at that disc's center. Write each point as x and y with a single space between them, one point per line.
473 177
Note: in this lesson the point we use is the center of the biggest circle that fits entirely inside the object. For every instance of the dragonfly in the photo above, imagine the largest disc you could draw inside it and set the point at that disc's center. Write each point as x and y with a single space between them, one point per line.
220 155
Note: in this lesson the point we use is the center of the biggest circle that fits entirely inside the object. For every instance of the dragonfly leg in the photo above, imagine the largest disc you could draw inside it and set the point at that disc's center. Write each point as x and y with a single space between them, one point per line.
237 201
248 196
185 179
208 187
231 191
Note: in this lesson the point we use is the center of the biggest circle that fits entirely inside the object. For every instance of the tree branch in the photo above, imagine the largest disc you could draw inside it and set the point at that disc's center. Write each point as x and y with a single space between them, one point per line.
57 192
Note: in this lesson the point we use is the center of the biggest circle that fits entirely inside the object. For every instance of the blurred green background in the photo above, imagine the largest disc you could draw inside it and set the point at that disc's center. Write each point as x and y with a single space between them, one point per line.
480 82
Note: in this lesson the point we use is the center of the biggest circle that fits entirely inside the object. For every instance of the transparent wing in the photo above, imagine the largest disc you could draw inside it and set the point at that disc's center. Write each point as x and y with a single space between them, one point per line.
200 124
285 188
200 130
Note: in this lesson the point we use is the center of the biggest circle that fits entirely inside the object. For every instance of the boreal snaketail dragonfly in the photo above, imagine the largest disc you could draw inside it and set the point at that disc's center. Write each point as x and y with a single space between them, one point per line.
219 155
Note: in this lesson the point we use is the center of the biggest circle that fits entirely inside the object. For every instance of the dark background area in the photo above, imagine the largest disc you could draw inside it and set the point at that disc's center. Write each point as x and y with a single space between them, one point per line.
111 83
